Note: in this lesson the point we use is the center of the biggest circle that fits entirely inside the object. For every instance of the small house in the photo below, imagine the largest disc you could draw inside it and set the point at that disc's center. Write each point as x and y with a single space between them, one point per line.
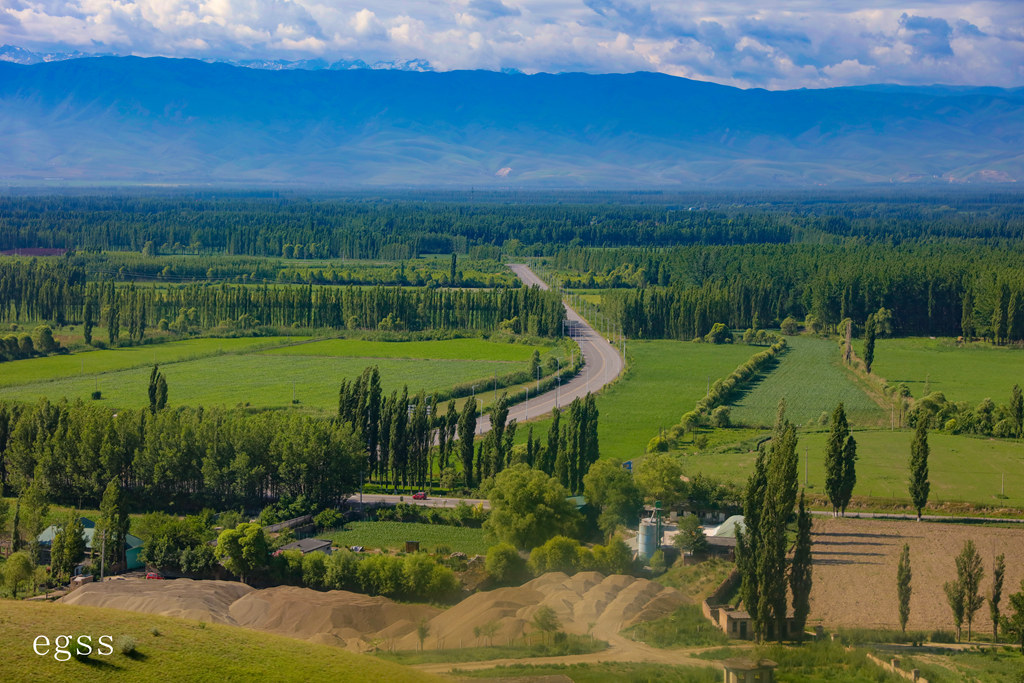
742 670
133 544
309 545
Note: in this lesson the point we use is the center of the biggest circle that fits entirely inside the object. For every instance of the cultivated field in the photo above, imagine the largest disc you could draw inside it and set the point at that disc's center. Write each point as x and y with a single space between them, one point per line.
855 571
963 373
811 378
663 380
447 349
260 372
961 468
393 535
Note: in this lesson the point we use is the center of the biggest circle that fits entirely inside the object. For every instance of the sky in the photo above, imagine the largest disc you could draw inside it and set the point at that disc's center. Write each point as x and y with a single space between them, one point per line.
775 44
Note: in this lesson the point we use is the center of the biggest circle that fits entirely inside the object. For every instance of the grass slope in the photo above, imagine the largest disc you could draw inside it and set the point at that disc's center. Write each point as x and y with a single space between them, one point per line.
183 650
961 468
811 378
395 534
663 380
969 373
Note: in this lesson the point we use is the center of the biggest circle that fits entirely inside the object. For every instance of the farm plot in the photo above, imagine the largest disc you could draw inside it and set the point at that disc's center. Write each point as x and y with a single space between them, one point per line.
446 349
961 468
393 535
855 571
99 361
811 378
663 380
260 380
970 372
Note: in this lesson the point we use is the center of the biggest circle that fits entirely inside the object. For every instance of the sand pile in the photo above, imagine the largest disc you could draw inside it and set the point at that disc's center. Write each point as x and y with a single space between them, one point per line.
183 598
341 618
585 603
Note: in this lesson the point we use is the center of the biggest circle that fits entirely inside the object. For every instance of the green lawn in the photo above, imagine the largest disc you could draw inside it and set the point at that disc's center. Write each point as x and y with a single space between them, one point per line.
968 373
447 349
811 378
663 380
169 649
393 535
961 468
602 672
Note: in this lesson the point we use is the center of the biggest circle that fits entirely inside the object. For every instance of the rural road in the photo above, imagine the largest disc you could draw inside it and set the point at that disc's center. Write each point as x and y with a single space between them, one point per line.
603 364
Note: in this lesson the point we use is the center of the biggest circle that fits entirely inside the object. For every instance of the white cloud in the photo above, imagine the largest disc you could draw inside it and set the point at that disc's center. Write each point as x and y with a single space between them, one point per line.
777 44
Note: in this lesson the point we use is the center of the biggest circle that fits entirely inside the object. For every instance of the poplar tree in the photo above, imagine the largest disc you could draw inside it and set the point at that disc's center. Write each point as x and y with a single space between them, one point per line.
467 430
997 594
969 573
903 588
848 480
800 572
869 343
834 458
113 522
919 484
1017 410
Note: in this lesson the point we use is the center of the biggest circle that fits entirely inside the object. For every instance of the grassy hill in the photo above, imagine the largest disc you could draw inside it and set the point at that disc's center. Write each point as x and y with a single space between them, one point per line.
172 650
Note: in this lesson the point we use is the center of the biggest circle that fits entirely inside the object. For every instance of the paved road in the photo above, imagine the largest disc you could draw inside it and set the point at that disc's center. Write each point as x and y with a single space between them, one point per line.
603 364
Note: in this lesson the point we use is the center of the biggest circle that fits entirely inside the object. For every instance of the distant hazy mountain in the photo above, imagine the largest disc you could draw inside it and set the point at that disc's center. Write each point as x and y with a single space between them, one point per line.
158 120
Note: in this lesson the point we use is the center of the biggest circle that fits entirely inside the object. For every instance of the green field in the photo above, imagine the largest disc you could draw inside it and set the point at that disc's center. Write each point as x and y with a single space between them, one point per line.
663 380
447 349
961 468
97 361
261 372
968 373
393 535
811 378
168 649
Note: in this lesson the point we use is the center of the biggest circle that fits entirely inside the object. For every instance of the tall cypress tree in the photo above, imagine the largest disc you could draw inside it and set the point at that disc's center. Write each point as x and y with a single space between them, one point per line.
998 571
903 588
748 543
800 573
467 430
919 484
869 343
848 478
834 447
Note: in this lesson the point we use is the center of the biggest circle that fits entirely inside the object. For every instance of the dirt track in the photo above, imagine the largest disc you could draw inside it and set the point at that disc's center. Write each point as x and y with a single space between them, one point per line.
855 571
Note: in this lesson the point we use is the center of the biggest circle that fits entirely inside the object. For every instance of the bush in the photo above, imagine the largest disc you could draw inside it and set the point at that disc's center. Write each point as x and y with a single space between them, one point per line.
657 444
125 645
97 395
504 564
314 570
559 554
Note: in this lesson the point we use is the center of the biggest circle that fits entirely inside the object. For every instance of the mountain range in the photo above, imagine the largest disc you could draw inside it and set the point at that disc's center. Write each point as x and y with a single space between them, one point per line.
156 120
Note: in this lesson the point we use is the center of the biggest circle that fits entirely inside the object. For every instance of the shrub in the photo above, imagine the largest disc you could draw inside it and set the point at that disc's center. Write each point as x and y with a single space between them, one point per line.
657 444
504 564
559 554
314 570
97 395
125 645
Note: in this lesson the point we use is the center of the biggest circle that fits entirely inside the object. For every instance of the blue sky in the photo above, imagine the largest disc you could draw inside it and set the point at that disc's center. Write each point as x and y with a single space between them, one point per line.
771 43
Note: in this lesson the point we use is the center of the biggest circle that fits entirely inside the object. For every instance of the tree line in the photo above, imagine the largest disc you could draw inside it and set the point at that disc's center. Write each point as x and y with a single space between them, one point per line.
52 290
948 288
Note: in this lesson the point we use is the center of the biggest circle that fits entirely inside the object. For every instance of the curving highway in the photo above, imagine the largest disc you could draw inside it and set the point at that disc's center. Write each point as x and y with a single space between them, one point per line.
603 364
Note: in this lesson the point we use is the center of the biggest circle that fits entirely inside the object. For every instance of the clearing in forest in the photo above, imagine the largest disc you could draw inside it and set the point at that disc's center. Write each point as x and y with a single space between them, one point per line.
811 378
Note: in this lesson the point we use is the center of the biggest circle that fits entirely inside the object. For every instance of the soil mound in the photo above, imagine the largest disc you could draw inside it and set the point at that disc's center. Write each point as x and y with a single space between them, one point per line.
183 598
585 603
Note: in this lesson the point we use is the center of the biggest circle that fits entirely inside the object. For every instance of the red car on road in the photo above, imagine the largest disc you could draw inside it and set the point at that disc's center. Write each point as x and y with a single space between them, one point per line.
419 495
153 575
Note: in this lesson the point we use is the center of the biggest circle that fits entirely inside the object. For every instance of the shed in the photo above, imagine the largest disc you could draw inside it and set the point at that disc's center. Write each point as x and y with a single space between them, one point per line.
742 670
133 544
309 545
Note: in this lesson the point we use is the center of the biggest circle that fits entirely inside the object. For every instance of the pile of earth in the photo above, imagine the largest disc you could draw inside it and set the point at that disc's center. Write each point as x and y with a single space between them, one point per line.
585 603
